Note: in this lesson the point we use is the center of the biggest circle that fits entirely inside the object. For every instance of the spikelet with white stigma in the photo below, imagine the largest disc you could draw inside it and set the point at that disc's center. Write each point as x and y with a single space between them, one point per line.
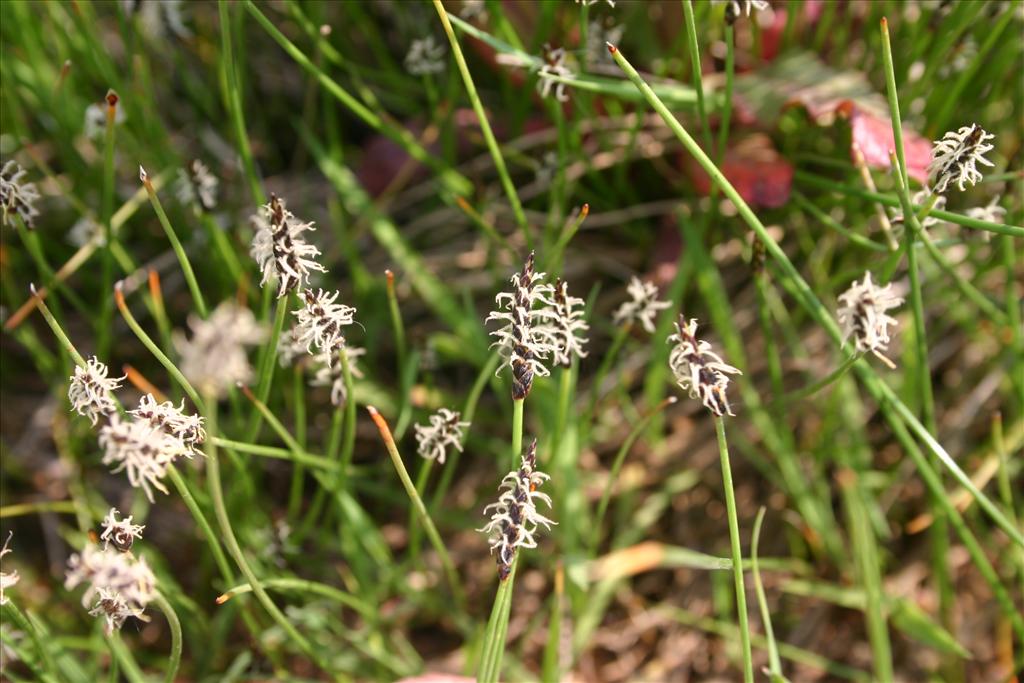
120 533
197 186
956 156
118 585
553 67
279 248
91 390
699 370
425 56
143 451
7 579
321 322
567 325
290 347
330 372
17 198
444 430
990 213
863 316
214 358
172 420
514 518
526 339
642 307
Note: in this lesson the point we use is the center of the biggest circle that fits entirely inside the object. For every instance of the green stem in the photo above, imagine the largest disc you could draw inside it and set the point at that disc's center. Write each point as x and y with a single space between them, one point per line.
774 664
517 431
125 659
485 127
106 262
497 628
417 502
175 625
730 58
303 586
217 495
737 554
233 98
814 388
23 624
58 332
268 361
691 42
204 525
172 237
348 445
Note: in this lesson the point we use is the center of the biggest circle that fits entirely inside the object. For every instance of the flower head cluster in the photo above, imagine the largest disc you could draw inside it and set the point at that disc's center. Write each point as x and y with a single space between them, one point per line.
553 67
425 56
118 585
956 157
642 307
142 450
90 390
991 213
331 374
173 421
920 198
214 359
698 369
197 186
95 124
566 324
289 346
445 430
515 519
280 249
86 230
321 322
526 338
120 533
863 316
16 196
7 579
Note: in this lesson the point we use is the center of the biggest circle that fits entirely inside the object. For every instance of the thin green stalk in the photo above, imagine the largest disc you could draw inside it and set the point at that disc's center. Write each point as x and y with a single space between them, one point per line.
830 222
303 458
621 334
1005 488
186 266
805 295
517 430
268 361
774 664
124 657
298 472
613 473
348 445
737 553
233 99
38 507
497 627
869 571
831 377
217 495
303 586
698 85
204 525
148 342
485 127
417 502
58 332
172 621
106 212
553 263
396 320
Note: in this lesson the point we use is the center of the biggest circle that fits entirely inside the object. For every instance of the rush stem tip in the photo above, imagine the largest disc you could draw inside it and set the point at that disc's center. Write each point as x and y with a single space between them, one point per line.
612 49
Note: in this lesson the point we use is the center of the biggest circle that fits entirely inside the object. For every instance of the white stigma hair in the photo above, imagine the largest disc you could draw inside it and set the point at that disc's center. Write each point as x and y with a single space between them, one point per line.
956 157
444 430
279 248
863 316
699 370
91 390
642 307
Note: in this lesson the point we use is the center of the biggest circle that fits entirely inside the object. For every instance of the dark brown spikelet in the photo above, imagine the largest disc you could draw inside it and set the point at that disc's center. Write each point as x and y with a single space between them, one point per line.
510 529
522 373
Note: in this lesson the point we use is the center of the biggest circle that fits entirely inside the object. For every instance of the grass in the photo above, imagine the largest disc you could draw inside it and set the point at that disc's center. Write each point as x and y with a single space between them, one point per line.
292 551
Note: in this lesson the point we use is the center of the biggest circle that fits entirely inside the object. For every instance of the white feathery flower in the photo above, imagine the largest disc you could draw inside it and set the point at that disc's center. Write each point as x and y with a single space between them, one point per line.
7 579
642 307
598 37
991 212
956 157
331 374
863 316
124 581
157 17
444 430
425 56
473 9
321 322
91 391
143 451
17 196
554 65
515 518
120 533
197 186
566 324
86 230
95 125
290 346
214 359
173 421
699 370
526 339
279 248
734 9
